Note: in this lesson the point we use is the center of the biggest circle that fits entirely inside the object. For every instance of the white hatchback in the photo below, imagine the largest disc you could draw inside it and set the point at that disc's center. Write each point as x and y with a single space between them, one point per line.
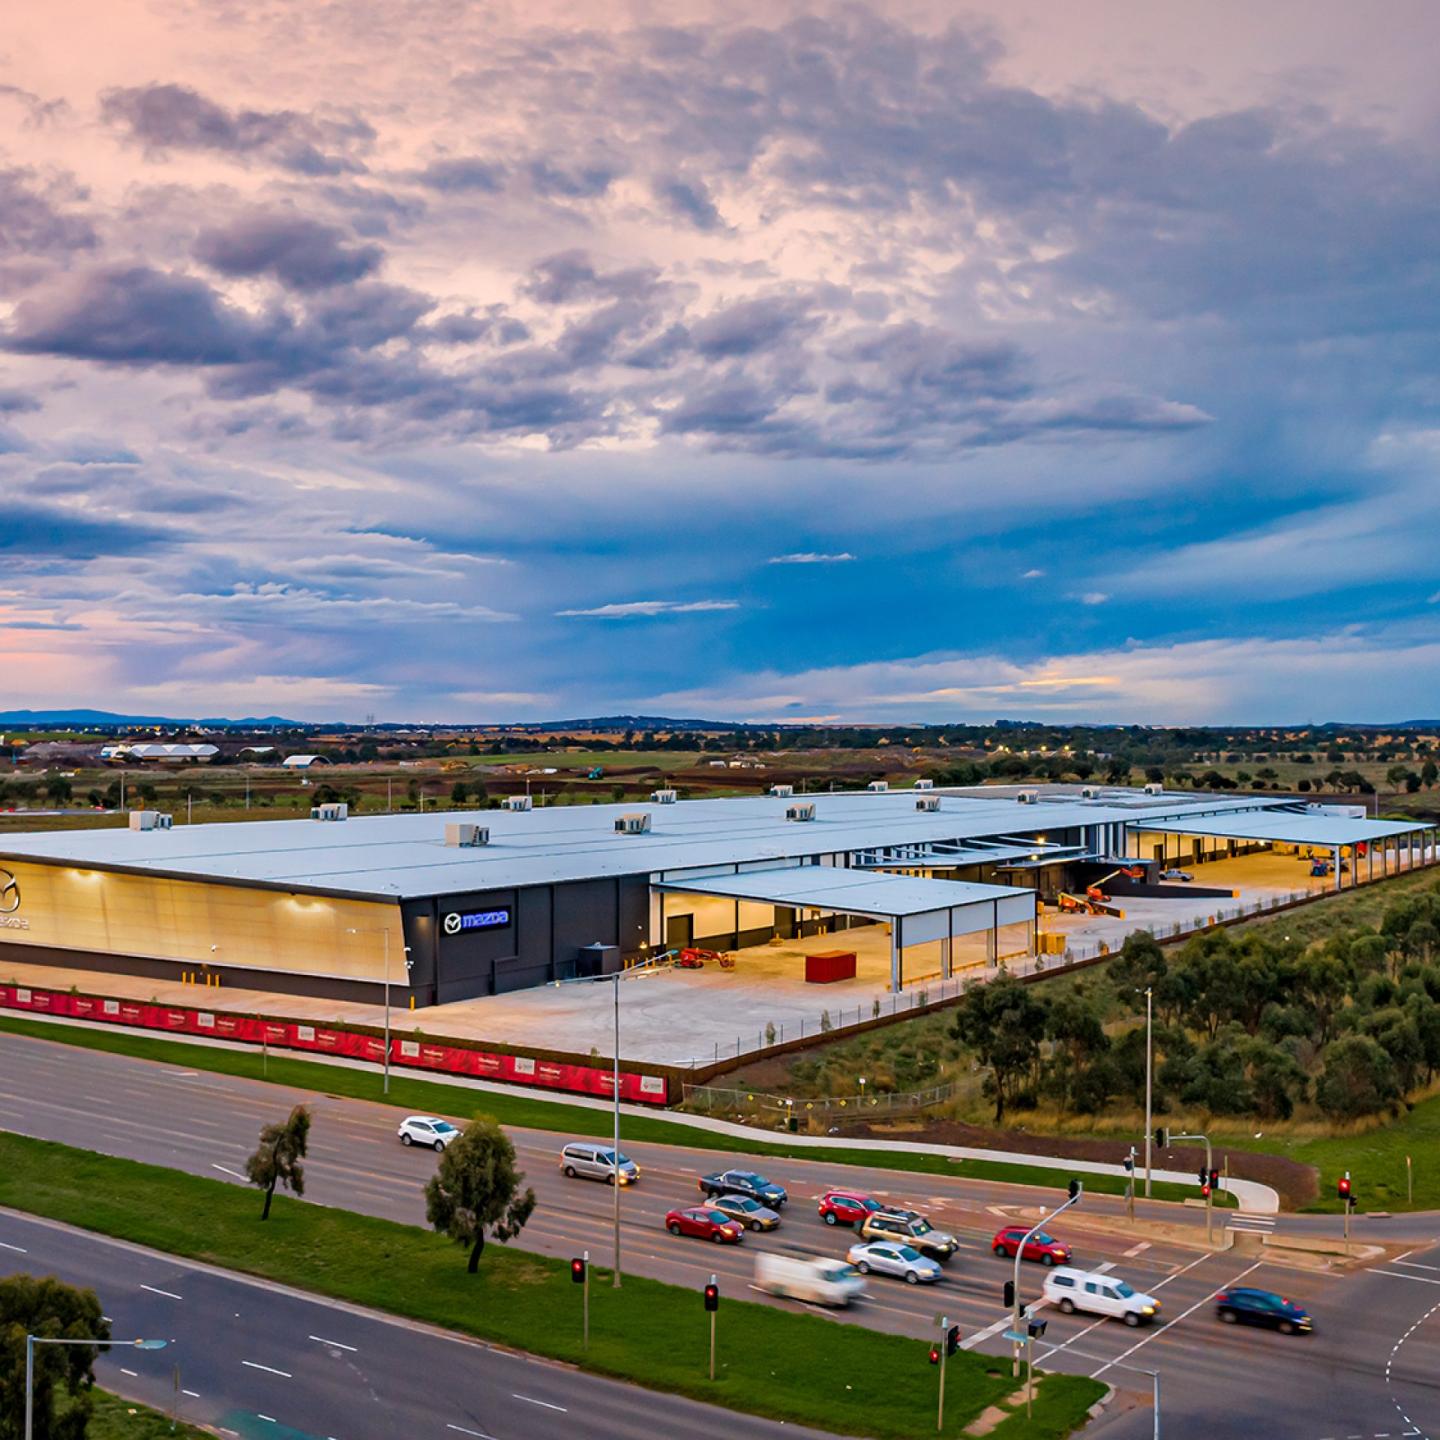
1099 1294
427 1130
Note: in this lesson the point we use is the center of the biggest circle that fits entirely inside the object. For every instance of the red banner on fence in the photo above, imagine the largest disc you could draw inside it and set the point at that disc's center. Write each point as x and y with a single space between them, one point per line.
287 1035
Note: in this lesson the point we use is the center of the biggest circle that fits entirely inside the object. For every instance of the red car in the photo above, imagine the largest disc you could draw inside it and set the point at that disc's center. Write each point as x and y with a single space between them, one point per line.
705 1224
1042 1247
846 1207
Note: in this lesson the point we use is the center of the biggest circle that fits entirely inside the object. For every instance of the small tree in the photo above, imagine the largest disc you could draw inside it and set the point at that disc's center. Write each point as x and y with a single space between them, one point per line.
51 1308
476 1188
277 1161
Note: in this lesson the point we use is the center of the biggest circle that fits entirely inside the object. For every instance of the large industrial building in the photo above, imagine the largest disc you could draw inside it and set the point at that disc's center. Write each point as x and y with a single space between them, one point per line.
450 907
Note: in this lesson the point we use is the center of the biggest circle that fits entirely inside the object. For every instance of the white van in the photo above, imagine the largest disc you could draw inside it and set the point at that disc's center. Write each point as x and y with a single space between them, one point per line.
597 1162
820 1282
1100 1294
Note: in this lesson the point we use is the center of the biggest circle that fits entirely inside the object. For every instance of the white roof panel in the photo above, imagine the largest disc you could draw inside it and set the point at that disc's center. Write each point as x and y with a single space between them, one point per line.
1293 828
855 892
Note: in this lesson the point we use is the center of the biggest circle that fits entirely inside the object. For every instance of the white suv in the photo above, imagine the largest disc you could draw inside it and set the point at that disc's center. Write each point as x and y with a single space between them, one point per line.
1100 1294
427 1130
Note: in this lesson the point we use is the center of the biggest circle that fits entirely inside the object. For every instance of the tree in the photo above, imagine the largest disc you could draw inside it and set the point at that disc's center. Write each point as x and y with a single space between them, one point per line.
277 1160
1358 1079
59 789
51 1308
458 793
1429 774
476 1187
1003 1023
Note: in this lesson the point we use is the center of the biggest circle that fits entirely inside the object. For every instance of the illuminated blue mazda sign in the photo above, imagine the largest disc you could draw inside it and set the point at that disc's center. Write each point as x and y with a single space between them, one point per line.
458 921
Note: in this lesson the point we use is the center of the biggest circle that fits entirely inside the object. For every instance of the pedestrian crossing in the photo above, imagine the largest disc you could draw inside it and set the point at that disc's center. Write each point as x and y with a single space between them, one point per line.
1253 1223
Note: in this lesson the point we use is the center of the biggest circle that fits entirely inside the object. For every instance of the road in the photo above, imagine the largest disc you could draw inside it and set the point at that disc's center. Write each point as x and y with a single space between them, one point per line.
258 1360
1333 1384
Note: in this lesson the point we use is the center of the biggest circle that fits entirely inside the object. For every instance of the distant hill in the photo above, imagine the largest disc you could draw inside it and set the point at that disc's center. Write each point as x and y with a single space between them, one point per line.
640 722
78 719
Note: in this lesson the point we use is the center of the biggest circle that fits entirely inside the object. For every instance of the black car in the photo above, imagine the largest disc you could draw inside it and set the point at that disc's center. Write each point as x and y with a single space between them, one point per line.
1244 1306
745 1182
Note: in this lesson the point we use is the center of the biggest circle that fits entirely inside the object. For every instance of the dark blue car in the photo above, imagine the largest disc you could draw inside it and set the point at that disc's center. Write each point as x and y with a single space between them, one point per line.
1244 1306
745 1182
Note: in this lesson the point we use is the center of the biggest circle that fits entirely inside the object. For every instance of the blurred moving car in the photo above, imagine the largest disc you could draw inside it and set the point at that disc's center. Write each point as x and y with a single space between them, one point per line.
846 1207
427 1130
804 1277
1246 1306
1045 1249
747 1211
903 1261
705 1224
744 1182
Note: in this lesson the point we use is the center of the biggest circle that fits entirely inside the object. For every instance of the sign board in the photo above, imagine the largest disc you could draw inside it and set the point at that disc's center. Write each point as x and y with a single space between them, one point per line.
459 921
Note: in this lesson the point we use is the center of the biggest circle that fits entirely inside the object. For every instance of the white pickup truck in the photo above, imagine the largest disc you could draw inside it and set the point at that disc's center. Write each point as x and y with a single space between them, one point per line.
801 1277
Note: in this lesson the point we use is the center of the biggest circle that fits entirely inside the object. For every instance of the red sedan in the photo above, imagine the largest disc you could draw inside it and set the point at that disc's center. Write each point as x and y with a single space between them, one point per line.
705 1224
1042 1247
846 1207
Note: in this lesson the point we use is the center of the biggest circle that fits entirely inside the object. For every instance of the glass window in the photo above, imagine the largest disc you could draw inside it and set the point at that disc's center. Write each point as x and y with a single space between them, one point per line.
1124 1290
906 1253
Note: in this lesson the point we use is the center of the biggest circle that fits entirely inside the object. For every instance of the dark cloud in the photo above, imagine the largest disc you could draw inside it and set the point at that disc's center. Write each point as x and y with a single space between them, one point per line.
31 222
570 182
301 253
42 532
751 325
572 275
689 200
175 117
463 174
17 402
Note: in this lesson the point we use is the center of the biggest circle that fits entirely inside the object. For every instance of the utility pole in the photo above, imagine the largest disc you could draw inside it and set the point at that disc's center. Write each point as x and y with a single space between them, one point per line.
1149 1077
1209 1171
1077 1191
944 1348
1130 1185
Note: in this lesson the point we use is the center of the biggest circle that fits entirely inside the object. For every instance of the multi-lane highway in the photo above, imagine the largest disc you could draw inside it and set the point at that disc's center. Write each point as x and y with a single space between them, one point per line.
1363 1373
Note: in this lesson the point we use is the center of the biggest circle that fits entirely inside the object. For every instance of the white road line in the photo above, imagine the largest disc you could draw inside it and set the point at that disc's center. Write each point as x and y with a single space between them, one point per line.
464 1431
19 1249
545 1403
321 1340
269 1369
1095 1325
1139 1249
226 1170
1155 1335
193 1394
1401 1275
168 1294
270 1419
134 1375
1413 1264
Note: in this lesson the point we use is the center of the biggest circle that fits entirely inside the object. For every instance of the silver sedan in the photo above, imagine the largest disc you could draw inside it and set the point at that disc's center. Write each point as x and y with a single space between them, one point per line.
902 1261
749 1212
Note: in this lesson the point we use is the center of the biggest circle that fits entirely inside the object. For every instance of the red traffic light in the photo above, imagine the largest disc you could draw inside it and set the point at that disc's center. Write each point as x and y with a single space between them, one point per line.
577 1270
1342 1188
1205 1191
712 1297
934 1354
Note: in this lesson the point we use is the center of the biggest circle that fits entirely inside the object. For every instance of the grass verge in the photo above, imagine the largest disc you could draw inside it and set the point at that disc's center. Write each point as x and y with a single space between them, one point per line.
793 1367
116 1418
524 1112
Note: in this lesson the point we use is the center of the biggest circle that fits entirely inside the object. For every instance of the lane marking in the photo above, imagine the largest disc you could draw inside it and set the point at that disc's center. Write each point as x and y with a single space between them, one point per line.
1139 1249
226 1170
134 1375
269 1369
1401 1275
168 1294
19 1249
545 1403
464 1431
193 1394
1413 1264
321 1340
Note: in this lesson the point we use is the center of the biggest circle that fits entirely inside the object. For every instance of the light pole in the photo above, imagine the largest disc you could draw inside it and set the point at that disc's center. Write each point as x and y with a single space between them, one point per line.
1077 1191
1209 1188
384 934
1149 1076
31 1341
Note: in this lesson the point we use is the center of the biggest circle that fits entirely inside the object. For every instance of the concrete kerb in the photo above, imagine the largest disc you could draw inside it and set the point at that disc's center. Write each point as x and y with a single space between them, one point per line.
1252 1195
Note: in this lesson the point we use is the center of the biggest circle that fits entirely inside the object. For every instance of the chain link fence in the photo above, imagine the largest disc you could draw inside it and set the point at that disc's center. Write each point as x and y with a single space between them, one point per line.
778 1109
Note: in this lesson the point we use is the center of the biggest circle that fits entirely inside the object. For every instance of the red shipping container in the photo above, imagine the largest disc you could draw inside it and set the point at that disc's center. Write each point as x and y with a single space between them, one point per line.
828 966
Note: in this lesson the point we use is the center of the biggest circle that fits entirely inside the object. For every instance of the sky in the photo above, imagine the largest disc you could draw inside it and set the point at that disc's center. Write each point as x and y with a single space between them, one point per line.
449 361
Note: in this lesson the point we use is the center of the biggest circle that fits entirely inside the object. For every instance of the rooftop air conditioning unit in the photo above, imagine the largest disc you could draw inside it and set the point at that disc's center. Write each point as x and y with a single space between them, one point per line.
782 792
1028 797
1089 792
637 823
924 784
462 834
663 797
801 810
878 785
927 802
150 820
333 810
517 802
1153 789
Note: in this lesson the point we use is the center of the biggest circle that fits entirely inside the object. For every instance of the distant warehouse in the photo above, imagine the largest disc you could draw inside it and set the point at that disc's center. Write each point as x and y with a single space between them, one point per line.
158 753
484 902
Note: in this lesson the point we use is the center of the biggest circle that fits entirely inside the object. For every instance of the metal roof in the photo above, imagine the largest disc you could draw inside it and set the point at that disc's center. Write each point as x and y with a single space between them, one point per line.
399 856
1295 827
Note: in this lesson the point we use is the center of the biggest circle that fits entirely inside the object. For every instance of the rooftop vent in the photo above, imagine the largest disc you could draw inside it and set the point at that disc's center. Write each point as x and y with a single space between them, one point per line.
927 802
461 834
1028 797
150 820
663 797
636 823
1153 789
1089 792
782 792
878 785
334 810
924 784
800 810
517 802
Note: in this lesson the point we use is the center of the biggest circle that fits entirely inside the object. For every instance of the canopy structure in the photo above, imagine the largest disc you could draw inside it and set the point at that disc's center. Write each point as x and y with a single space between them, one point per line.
918 911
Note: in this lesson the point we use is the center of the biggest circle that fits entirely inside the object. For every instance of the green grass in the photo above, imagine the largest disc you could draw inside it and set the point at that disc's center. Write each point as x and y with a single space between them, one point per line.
115 1418
792 1367
523 1111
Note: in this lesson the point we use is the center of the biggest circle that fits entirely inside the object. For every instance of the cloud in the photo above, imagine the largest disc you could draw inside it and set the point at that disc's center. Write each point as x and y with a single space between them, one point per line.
15 401
810 557
462 175
1032 574
166 117
634 609
1093 597
39 532
301 253
32 223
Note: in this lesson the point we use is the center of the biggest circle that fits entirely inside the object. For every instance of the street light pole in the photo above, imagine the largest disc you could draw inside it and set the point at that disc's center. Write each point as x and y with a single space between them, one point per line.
384 934
615 1151
1078 1191
31 1341
1149 1077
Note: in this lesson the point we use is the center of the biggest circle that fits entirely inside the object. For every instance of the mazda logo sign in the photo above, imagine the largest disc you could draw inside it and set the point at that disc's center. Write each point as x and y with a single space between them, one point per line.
9 893
452 923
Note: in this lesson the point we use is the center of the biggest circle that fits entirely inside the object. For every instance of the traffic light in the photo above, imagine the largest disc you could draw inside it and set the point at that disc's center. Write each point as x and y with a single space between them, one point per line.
1204 1177
1205 1193
1075 1189
1162 1137
1342 1188
934 1354
1129 1164
577 1270
1215 1179
952 1339
1036 1328
712 1296
1009 1294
